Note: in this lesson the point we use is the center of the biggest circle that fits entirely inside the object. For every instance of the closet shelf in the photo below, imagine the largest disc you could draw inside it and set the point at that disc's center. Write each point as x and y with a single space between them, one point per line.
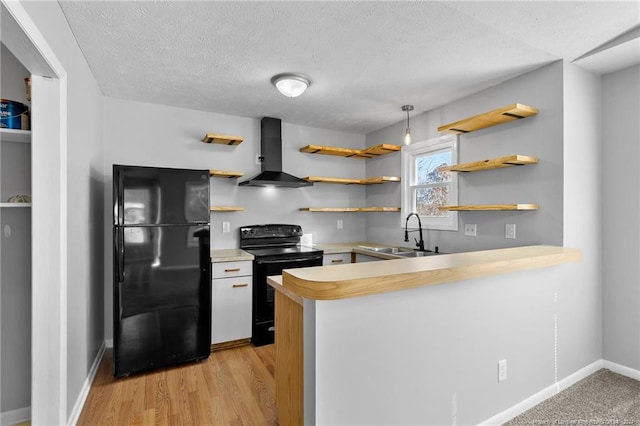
222 139
370 152
15 204
493 163
225 173
497 116
349 209
345 181
14 135
490 207
226 209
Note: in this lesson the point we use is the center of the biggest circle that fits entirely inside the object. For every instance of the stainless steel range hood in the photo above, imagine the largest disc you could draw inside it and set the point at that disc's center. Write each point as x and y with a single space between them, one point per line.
271 149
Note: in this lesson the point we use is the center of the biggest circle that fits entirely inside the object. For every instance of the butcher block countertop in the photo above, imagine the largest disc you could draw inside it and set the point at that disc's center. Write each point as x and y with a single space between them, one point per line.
361 279
230 255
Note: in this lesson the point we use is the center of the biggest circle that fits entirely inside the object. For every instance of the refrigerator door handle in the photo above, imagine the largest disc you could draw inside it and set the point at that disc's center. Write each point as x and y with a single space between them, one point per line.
120 255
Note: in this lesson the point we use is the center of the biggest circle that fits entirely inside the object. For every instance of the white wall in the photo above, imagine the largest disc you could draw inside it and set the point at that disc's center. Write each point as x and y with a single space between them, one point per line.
581 319
539 136
429 355
156 135
620 213
83 306
15 254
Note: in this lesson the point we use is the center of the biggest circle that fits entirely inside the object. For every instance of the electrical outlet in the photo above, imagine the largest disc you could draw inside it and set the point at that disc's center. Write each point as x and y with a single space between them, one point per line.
502 370
259 159
340 225
510 231
470 229
226 227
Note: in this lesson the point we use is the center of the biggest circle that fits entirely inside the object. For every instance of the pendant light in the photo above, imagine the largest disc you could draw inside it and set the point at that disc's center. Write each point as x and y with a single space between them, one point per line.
407 135
291 85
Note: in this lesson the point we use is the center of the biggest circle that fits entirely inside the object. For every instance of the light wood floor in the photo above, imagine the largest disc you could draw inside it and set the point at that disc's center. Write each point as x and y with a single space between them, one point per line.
232 387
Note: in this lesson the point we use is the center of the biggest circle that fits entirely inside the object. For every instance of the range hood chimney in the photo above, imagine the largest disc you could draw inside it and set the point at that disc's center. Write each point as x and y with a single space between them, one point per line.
271 151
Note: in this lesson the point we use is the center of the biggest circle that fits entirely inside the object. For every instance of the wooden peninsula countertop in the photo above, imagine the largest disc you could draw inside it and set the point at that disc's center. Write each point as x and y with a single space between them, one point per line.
361 279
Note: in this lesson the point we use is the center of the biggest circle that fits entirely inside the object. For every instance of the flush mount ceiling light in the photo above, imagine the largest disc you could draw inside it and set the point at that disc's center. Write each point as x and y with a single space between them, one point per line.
291 84
407 135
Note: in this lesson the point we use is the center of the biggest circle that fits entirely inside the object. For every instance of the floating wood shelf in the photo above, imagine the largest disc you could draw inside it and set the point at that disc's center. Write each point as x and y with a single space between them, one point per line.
226 209
344 181
481 207
14 135
370 152
225 173
494 163
222 139
488 119
15 204
349 209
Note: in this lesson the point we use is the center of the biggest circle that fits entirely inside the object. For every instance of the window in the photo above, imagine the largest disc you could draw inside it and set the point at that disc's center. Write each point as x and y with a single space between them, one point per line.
424 189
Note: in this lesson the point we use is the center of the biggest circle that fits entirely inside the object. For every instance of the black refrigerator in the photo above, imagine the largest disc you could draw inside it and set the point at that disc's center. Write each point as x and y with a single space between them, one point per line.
161 267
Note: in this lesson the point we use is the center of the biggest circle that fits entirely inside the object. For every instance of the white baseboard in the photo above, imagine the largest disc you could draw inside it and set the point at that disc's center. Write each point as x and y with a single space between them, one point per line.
621 369
15 416
544 394
86 387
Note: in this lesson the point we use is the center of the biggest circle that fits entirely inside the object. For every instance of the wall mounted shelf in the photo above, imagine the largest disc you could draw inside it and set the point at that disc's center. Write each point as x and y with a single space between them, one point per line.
13 135
490 207
349 209
225 173
222 139
345 181
370 152
494 163
497 116
226 209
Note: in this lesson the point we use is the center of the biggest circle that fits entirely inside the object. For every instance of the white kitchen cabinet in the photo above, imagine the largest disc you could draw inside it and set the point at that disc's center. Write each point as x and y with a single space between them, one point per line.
336 259
231 302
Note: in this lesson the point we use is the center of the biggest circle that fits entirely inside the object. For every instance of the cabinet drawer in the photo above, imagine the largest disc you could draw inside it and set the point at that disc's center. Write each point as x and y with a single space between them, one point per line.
231 309
336 259
232 269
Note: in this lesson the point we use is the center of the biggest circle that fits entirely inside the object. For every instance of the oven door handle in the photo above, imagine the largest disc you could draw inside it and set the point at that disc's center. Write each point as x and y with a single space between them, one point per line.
273 262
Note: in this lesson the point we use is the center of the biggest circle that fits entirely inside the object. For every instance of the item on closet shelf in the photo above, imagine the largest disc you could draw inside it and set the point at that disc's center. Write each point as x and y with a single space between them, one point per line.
14 115
20 199
27 88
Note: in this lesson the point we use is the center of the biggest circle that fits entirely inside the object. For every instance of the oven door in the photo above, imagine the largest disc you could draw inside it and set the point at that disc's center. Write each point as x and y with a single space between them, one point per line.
264 294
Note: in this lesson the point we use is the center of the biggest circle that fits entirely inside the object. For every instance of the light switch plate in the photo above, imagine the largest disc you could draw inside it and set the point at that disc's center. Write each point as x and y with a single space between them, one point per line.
226 227
470 229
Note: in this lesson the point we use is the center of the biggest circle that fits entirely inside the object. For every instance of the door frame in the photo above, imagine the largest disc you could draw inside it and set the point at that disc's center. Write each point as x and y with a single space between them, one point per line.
48 215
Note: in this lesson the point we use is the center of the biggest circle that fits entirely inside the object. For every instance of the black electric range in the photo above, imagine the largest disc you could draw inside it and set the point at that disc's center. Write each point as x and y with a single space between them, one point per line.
275 247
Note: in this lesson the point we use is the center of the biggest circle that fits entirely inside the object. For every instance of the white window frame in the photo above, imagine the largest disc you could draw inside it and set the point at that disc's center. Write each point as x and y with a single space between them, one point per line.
409 155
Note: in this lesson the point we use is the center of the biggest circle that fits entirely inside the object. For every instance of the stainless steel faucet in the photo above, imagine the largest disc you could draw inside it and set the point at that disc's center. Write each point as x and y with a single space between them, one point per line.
419 244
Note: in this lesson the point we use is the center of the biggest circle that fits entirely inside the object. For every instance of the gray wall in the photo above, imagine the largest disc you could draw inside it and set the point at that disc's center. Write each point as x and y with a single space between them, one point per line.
15 253
621 210
539 136
579 317
84 185
157 135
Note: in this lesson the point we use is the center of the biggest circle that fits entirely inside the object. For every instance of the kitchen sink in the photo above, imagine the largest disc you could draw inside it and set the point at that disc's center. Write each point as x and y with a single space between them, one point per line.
416 253
388 250
396 252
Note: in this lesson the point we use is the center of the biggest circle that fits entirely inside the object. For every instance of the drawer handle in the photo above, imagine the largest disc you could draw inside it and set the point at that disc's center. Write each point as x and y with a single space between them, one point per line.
240 285
232 270
337 260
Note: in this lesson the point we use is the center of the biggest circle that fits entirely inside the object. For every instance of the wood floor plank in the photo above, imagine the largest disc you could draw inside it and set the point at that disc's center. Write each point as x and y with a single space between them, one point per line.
233 387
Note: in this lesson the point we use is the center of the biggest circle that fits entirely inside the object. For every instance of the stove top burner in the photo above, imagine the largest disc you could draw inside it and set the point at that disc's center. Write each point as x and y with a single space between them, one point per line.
273 240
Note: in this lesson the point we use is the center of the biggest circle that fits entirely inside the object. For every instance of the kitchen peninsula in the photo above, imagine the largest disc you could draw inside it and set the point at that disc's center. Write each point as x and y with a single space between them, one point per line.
379 343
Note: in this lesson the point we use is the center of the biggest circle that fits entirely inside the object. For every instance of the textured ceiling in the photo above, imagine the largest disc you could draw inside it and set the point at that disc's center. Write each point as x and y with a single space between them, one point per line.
365 59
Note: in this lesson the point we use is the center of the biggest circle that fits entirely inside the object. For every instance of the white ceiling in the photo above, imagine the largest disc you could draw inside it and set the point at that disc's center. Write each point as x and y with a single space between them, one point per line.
366 59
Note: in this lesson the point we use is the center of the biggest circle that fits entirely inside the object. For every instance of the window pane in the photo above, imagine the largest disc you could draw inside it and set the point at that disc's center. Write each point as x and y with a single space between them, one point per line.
427 167
429 199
